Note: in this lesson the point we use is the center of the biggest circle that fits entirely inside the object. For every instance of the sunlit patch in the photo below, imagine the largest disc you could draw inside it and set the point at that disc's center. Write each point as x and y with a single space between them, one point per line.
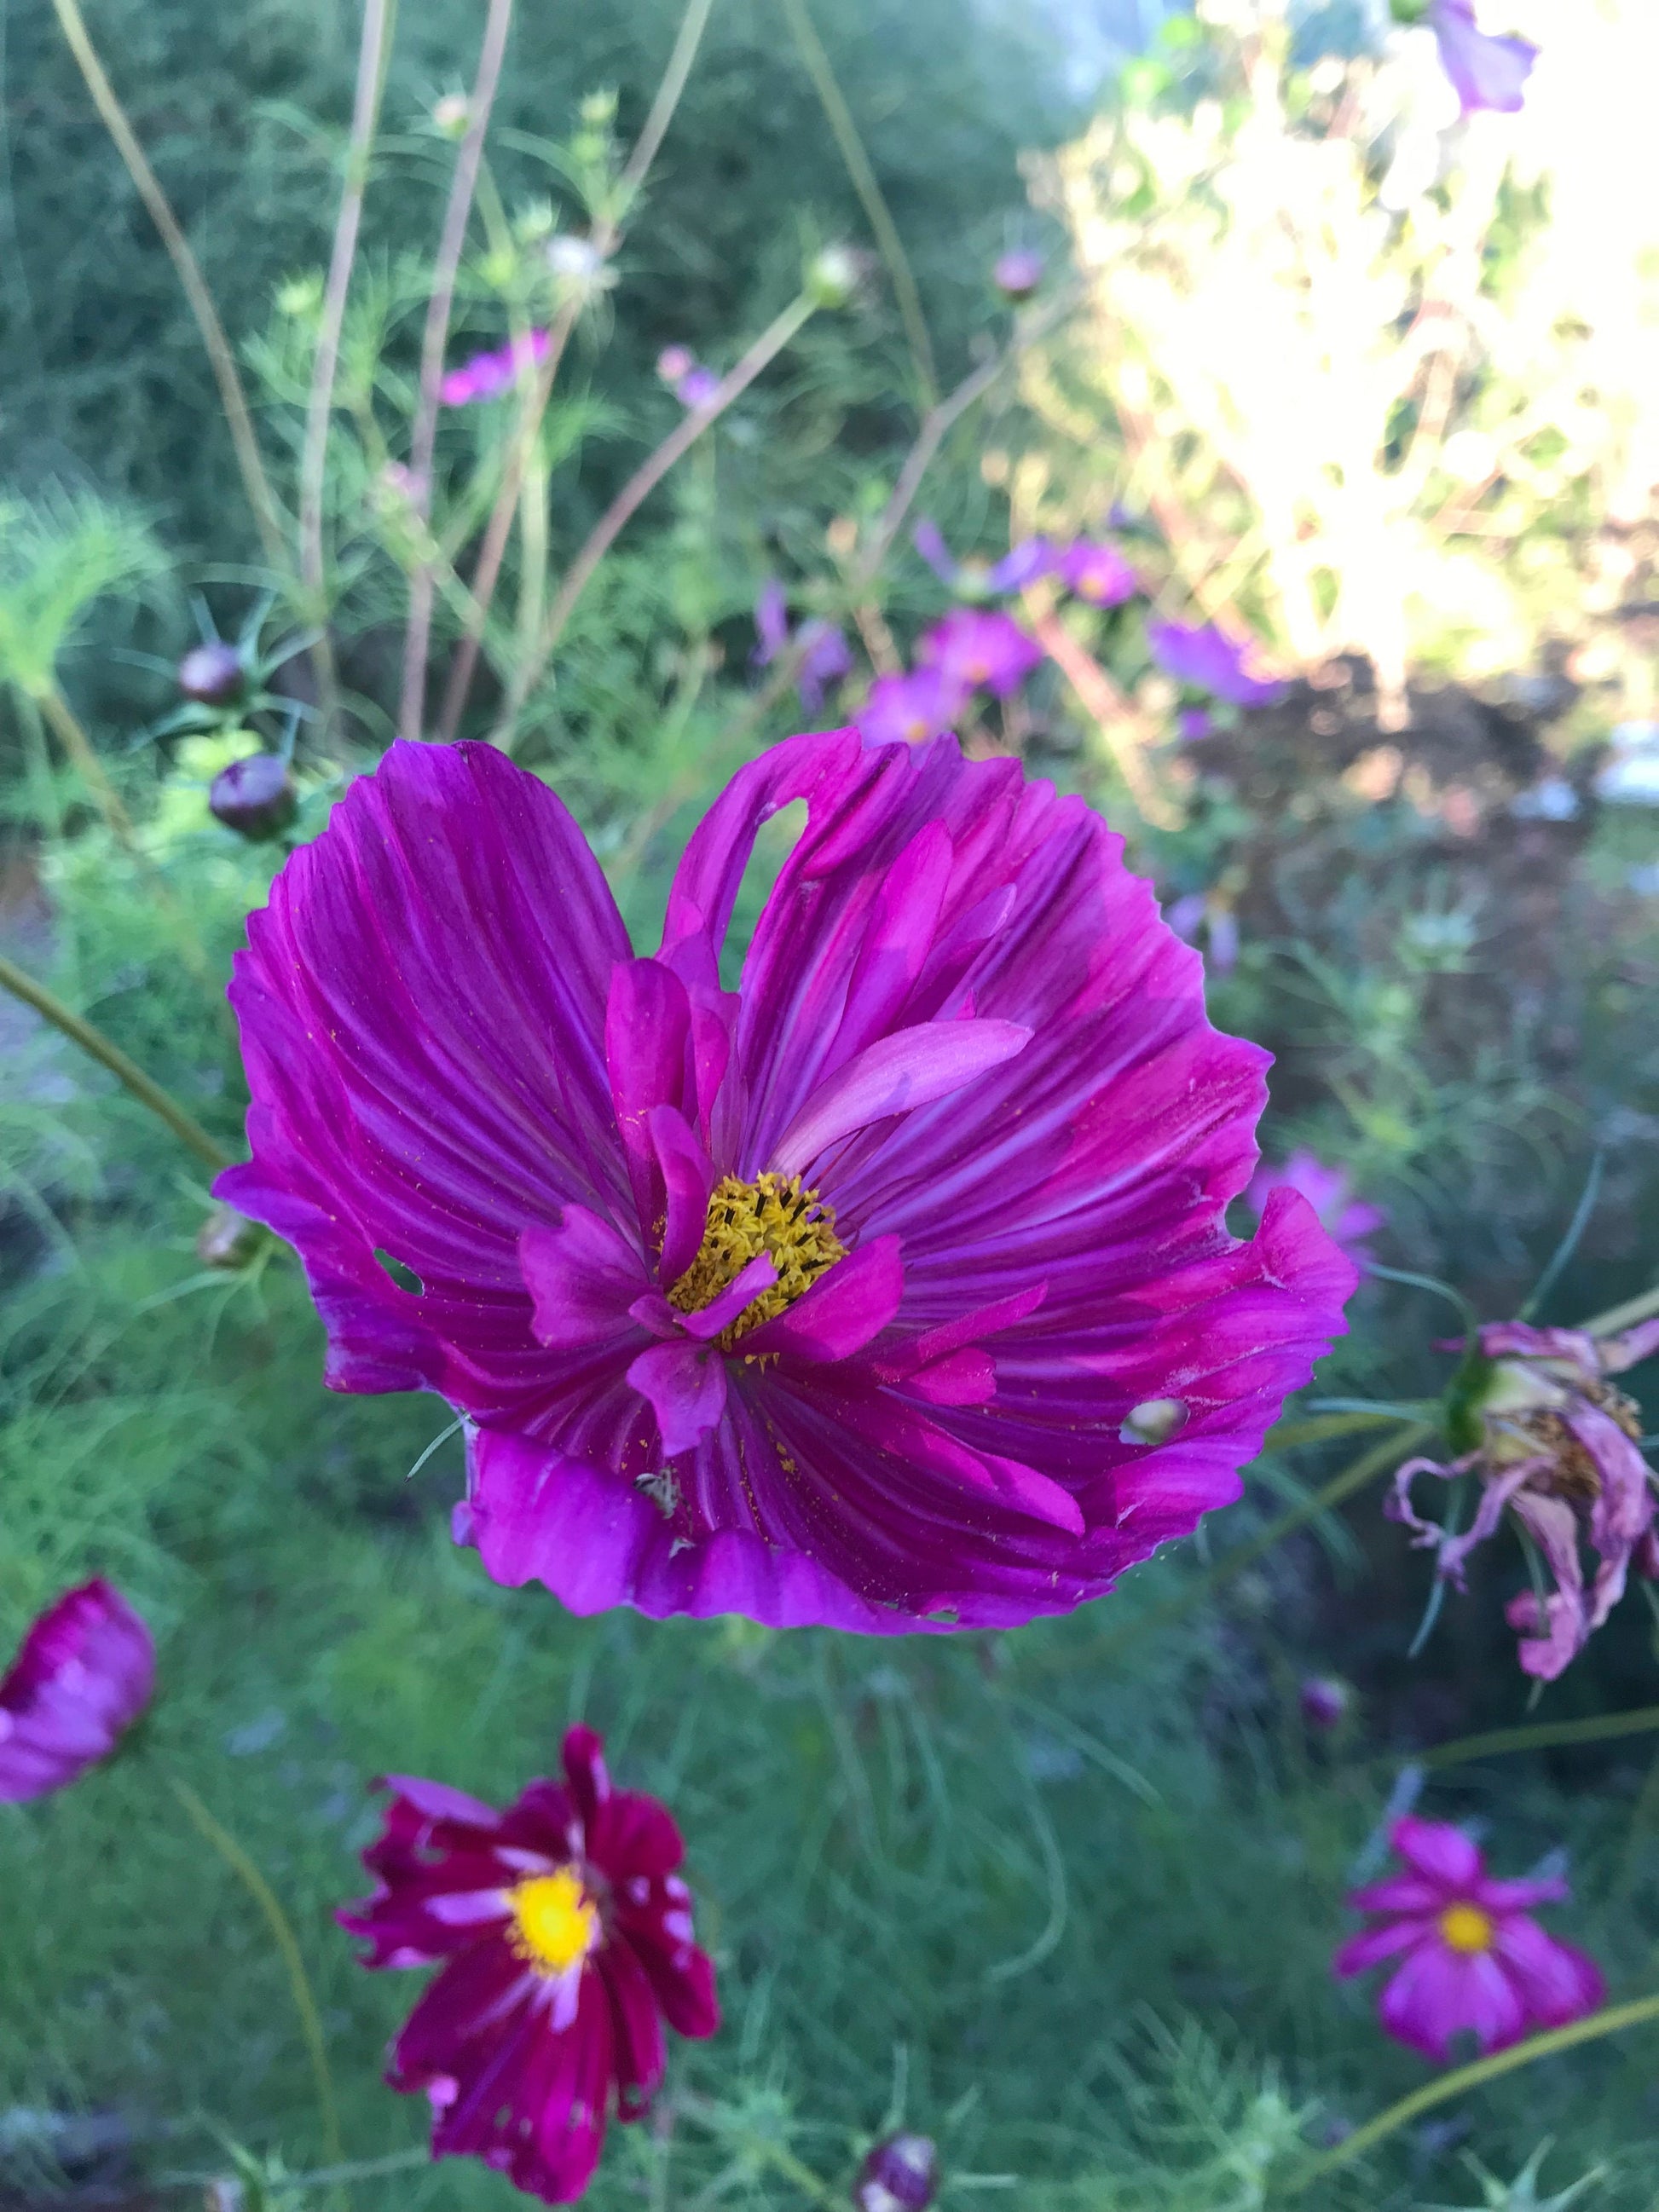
1466 1928
772 1214
555 1923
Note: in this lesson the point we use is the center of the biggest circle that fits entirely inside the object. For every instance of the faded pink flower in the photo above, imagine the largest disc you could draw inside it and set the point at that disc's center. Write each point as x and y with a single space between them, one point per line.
487 375
1472 1960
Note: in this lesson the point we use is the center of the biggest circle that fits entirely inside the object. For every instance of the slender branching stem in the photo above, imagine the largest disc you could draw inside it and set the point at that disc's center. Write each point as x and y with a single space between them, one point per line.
527 429
93 1042
640 486
1625 1317
1609 2022
220 356
840 118
282 1930
1542 1735
412 711
372 55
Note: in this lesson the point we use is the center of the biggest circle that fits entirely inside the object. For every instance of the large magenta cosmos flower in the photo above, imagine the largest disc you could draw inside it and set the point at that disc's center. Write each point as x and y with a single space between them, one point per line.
890 1287
85 1672
1559 1451
566 1935
1472 1958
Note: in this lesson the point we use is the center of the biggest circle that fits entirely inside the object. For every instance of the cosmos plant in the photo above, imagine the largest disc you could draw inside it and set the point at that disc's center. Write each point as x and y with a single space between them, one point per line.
888 1290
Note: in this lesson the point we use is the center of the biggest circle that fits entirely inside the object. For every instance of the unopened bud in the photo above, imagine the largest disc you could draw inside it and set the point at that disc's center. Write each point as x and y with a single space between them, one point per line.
674 363
1324 1701
213 674
1018 273
901 2174
452 114
300 297
598 108
228 1239
254 797
834 276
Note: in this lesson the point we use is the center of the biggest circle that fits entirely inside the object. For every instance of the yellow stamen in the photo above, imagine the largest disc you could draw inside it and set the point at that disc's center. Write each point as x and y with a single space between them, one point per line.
1466 1928
771 1214
554 1923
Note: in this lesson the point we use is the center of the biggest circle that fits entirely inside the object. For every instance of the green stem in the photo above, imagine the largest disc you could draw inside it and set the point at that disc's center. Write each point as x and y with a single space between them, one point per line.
311 2025
1600 1728
840 118
1606 2022
220 356
1353 1478
1618 1317
108 1054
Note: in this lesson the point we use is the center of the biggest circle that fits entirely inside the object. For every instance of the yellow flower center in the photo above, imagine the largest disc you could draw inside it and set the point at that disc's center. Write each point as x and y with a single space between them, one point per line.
771 1214
1466 1928
555 1923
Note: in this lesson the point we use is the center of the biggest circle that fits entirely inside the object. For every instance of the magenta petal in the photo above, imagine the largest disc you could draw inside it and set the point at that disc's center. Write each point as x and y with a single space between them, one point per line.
687 1176
719 1313
648 1054
1486 72
582 1277
1556 1982
1373 1945
82 1675
1437 1851
899 1073
847 1306
1438 1993
686 1386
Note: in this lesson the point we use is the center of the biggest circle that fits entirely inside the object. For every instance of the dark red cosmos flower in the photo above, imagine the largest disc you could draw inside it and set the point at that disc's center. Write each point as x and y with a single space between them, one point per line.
891 1290
565 1938
84 1673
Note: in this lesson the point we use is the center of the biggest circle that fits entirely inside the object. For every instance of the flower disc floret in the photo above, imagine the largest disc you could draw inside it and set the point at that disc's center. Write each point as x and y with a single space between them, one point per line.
891 1290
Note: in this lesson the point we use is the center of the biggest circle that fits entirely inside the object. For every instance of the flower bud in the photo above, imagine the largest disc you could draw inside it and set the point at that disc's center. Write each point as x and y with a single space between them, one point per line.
834 276
1324 1701
1018 273
675 363
901 2174
213 674
451 115
575 261
228 1239
300 297
254 797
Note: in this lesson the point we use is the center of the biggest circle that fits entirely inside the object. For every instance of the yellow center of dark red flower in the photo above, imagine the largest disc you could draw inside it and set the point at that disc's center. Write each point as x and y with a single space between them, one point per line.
772 1214
555 1923
1466 1928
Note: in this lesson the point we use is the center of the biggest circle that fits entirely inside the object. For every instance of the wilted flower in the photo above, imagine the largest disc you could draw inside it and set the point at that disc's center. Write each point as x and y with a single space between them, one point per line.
900 2174
910 709
214 674
1018 273
1198 655
1324 1701
1097 572
1485 70
1556 1446
1472 1958
1348 1219
977 649
84 1673
487 375
826 657
565 1933
983 580
254 797
826 1300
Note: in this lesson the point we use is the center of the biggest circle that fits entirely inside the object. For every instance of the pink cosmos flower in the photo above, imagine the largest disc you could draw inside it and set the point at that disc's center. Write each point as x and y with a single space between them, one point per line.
975 579
1200 656
565 1938
1472 1958
85 1672
1349 1220
909 709
1018 273
1486 71
487 375
889 1290
1094 570
976 649
1557 1449
826 656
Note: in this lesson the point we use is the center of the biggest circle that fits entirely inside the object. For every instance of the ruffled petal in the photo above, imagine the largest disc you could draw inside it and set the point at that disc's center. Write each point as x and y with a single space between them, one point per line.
423 1007
685 1383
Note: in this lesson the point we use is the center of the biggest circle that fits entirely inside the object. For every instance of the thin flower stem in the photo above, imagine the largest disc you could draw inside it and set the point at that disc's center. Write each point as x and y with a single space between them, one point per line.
412 711
93 1042
372 55
276 1920
222 360
639 487
1352 1479
527 429
1609 2022
1624 1317
1598 1727
1126 730
840 118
